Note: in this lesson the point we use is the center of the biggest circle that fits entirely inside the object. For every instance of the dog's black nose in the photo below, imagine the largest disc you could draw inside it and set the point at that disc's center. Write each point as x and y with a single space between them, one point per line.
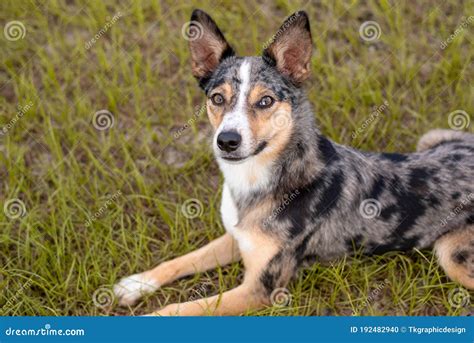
229 141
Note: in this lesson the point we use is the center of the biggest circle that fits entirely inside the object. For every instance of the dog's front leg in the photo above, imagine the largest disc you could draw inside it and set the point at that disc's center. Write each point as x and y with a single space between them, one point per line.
265 268
220 252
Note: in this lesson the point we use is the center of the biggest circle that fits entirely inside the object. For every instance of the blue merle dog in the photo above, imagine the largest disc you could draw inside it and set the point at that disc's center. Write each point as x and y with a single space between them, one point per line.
291 196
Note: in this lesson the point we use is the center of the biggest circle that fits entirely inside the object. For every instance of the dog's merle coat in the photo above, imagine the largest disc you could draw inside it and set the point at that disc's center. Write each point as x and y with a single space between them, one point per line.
308 198
413 194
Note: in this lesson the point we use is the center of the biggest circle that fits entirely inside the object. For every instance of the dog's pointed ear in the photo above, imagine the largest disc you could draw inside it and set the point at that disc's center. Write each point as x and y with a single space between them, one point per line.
291 47
207 44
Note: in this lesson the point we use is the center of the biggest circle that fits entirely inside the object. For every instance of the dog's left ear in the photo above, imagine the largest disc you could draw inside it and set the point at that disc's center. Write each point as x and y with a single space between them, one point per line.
291 47
207 44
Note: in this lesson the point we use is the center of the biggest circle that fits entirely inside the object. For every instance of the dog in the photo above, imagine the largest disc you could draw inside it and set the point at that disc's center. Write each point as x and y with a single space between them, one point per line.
291 196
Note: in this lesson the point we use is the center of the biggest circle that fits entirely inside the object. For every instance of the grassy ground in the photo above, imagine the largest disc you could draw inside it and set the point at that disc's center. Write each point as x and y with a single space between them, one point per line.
100 205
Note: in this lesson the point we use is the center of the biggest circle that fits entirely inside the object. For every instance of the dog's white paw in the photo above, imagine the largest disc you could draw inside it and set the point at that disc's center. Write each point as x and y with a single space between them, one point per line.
130 289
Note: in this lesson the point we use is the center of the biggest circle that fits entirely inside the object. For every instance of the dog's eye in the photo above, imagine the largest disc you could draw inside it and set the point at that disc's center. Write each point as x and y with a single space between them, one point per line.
217 99
265 102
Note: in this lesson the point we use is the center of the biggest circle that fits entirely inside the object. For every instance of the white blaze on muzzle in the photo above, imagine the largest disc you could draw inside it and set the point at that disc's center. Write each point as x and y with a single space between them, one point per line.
237 120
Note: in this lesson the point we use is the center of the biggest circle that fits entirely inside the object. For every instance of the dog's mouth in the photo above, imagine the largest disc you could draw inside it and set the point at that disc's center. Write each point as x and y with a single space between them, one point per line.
238 159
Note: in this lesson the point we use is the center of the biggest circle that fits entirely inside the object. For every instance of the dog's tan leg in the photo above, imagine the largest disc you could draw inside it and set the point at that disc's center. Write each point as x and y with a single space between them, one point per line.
455 252
251 294
219 252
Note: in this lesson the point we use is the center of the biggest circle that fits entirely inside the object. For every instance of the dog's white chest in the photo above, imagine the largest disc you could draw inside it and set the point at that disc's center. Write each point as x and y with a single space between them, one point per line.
230 218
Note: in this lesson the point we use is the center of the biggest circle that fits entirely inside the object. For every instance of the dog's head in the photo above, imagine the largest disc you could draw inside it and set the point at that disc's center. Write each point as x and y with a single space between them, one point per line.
250 99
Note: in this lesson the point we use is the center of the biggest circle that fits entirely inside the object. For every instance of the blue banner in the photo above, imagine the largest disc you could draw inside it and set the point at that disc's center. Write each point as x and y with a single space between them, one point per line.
237 329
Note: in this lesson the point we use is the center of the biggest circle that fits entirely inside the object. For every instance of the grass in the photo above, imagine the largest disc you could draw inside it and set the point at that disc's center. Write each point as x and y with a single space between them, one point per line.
101 205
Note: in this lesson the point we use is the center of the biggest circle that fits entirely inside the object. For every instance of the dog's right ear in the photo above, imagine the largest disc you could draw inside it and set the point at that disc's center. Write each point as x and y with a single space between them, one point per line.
207 44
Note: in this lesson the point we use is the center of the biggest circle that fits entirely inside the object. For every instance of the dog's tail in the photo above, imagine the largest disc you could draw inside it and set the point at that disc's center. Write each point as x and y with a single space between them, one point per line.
435 137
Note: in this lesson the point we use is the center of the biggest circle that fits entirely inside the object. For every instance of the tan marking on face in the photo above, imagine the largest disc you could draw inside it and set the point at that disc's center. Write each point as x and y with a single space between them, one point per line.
273 125
216 113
